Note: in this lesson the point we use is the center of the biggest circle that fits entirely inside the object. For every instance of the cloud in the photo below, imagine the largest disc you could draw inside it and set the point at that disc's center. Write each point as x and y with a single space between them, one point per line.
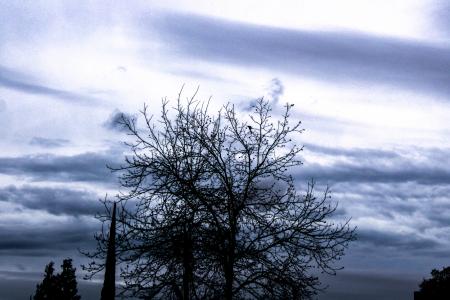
190 73
57 201
440 16
409 217
86 167
338 57
404 201
48 143
396 197
397 241
2 105
420 165
351 285
276 90
23 83
401 172
114 121
45 238
121 69
356 153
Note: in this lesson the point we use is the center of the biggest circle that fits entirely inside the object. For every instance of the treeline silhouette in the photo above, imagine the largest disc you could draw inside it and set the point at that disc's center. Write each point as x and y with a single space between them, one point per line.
435 288
61 286
215 215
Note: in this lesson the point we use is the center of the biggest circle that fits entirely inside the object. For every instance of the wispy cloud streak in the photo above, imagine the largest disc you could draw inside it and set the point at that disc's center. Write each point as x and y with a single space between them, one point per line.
333 56
20 82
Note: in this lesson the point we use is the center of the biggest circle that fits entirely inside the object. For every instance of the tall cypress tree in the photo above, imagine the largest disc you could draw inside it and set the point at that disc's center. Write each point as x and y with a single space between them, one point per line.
109 283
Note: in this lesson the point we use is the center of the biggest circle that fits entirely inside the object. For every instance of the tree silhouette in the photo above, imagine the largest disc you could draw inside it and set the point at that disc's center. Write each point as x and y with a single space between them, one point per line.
437 287
67 281
59 286
109 282
217 213
48 288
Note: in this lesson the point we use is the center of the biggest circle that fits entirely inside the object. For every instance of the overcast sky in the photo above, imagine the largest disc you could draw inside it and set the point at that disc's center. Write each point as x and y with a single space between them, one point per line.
370 81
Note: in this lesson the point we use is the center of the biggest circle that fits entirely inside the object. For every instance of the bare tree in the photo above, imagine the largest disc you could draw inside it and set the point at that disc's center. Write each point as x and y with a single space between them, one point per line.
217 214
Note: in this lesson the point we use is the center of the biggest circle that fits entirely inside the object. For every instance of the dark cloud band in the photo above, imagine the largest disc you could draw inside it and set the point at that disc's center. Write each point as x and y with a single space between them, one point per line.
57 201
86 167
43 239
420 165
337 57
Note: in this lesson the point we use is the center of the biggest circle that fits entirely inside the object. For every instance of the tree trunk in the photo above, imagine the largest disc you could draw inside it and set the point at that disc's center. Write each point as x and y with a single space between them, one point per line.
229 265
187 264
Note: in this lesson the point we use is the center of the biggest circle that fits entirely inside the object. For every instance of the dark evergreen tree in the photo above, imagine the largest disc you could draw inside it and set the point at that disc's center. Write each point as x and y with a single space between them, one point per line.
437 287
67 281
61 286
48 288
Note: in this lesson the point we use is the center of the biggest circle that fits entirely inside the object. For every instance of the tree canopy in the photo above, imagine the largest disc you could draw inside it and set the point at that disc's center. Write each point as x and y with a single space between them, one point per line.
437 287
210 209
59 286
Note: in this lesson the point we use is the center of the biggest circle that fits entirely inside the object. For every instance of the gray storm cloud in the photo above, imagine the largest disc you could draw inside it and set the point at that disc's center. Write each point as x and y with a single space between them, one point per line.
56 201
85 167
